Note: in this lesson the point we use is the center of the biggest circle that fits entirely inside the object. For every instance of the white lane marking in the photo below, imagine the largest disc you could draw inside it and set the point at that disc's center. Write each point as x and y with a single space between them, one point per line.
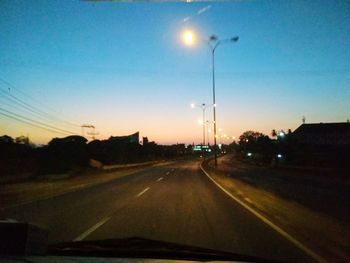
142 192
92 229
167 173
159 179
287 236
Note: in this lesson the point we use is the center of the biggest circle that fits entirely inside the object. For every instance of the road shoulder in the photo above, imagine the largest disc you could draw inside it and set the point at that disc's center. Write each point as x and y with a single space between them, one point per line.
320 233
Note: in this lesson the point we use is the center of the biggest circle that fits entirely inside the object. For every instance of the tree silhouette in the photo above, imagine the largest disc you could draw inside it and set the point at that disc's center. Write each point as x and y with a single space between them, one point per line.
273 133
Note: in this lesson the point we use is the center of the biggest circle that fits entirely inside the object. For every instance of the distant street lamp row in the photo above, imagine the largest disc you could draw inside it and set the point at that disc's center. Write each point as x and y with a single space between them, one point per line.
203 106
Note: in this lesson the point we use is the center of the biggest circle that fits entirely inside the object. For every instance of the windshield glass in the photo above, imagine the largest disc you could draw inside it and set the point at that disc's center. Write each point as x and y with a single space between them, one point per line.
219 124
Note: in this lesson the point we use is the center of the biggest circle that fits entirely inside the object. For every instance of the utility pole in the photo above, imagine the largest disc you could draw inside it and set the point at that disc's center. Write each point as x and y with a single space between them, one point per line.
92 131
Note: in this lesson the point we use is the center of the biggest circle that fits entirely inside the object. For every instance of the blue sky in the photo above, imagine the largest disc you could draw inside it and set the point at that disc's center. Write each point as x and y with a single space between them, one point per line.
123 68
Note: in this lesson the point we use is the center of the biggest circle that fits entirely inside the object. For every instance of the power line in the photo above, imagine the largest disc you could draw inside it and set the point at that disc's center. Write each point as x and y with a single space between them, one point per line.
119 70
16 106
35 110
32 124
36 122
19 106
28 96
11 86
19 103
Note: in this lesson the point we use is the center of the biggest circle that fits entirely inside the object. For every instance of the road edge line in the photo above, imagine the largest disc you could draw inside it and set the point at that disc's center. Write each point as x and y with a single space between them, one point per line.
282 232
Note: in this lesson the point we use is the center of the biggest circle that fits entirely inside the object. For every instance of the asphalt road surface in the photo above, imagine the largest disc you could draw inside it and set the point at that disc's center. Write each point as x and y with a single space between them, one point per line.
175 203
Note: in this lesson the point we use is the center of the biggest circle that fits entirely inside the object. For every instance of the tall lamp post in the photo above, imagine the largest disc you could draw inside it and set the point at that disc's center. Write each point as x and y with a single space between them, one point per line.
203 106
207 123
213 43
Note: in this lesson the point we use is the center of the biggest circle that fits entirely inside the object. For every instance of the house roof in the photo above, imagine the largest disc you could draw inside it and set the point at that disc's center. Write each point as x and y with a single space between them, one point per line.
130 138
323 128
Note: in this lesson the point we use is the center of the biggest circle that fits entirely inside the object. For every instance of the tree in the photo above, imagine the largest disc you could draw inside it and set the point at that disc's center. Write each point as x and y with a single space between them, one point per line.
273 133
63 154
256 142
6 139
22 140
250 136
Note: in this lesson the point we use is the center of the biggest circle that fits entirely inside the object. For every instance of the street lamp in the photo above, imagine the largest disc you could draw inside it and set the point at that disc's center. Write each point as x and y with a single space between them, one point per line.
203 106
213 42
208 131
188 37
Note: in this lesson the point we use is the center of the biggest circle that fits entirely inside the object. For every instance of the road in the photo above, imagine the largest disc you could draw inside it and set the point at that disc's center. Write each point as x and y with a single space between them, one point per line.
175 203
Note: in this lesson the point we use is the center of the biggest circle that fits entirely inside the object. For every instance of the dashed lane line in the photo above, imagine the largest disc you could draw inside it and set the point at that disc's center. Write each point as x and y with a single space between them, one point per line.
142 192
92 229
105 219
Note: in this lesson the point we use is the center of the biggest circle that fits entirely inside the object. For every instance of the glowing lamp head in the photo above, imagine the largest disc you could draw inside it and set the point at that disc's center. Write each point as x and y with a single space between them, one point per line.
188 37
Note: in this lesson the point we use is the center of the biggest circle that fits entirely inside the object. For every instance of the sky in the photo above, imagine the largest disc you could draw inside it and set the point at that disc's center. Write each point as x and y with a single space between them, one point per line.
123 67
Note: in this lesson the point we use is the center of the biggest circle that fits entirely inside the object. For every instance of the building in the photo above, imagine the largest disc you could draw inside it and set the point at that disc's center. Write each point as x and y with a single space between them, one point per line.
144 140
336 134
132 138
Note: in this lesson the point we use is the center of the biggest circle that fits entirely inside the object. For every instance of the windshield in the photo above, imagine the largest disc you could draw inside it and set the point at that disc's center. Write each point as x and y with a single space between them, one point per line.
219 124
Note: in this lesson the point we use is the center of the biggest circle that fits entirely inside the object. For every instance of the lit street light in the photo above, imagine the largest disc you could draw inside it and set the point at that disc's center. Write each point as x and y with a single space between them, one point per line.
203 106
213 42
188 37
